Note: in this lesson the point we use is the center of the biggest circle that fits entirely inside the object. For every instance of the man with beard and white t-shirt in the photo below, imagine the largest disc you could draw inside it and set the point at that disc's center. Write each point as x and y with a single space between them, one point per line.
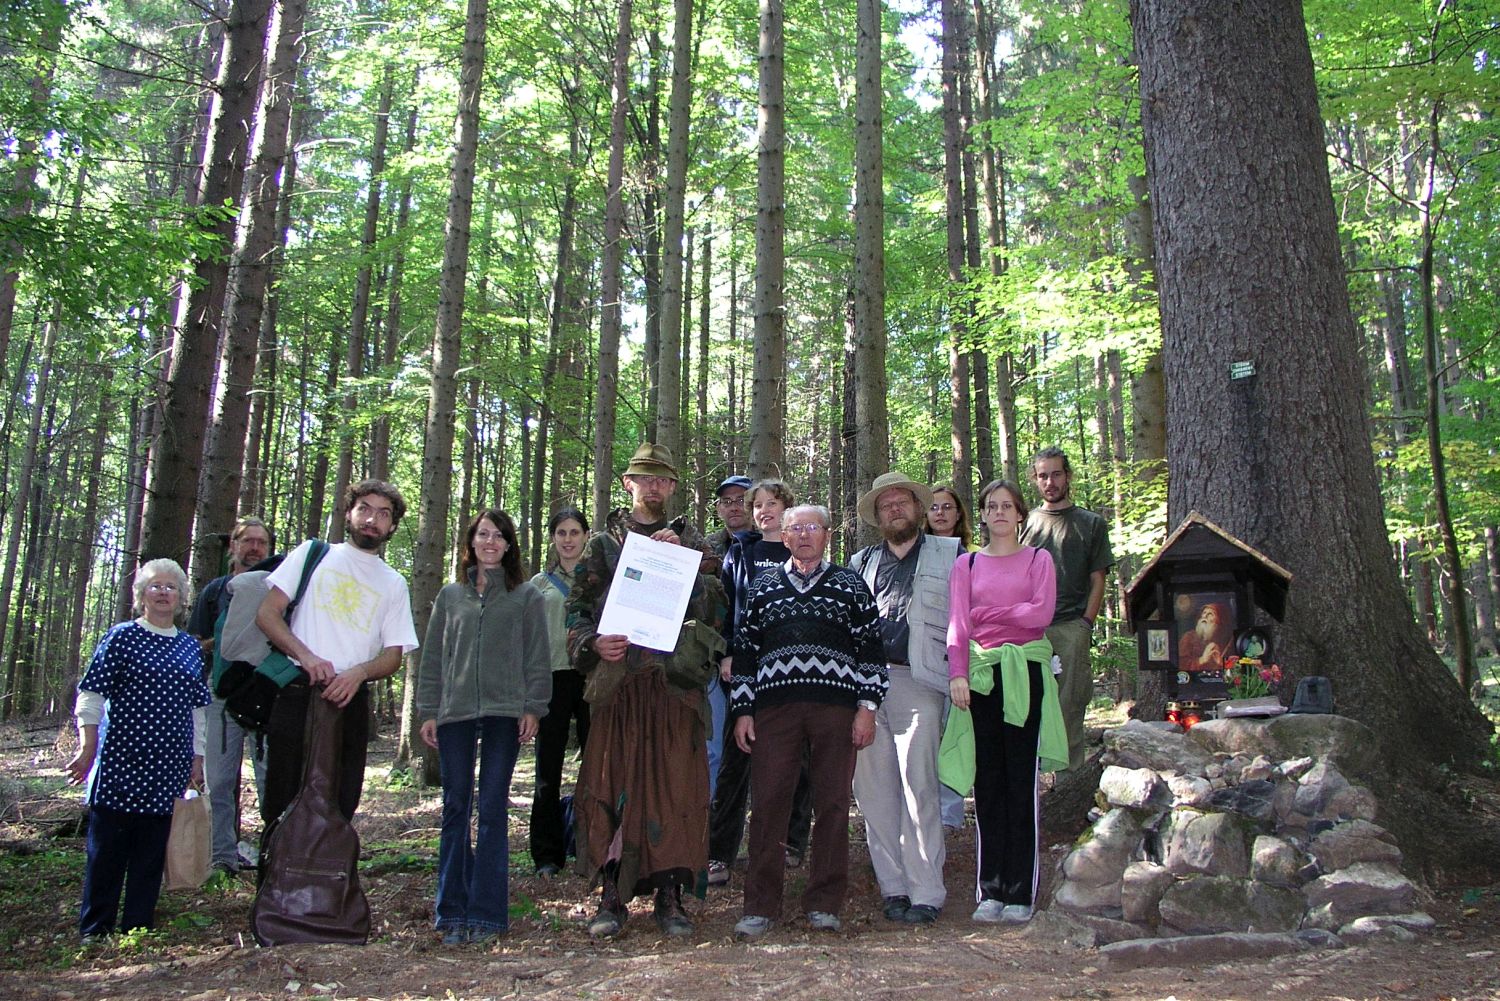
352 626
895 778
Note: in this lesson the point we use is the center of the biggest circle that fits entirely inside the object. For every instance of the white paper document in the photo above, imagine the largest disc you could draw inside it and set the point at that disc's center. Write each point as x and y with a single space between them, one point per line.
653 582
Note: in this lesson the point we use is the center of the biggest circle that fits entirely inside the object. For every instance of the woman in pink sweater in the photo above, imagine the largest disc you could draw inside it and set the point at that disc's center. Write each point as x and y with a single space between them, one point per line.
1001 600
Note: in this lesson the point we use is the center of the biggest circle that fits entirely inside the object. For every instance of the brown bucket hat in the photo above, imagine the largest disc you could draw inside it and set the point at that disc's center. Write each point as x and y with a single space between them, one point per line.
651 460
884 482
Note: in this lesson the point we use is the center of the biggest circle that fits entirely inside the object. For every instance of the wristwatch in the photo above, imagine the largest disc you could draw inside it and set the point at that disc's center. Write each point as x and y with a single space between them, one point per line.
867 704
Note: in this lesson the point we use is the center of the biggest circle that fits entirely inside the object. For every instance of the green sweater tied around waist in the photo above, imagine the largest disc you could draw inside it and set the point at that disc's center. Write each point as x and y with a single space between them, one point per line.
956 755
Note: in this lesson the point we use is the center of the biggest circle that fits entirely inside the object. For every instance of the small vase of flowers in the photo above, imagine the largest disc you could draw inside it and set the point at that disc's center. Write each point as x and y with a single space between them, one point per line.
1248 678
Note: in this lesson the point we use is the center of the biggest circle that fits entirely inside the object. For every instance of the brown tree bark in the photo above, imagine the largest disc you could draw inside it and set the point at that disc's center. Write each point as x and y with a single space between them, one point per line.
957 310
608 371
433 537
768 398
177 455
869 421
256 237
1257 214
679 107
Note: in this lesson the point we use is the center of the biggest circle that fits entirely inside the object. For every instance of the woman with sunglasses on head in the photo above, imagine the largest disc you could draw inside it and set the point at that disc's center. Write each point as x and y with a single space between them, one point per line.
485 681
1001 600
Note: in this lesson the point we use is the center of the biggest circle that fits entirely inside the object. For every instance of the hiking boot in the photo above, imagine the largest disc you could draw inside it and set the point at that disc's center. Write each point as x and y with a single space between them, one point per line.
896 907
607 922
751 927
455 935
546 870
1016 914
990 911
824 921
718 872
920 914
670 917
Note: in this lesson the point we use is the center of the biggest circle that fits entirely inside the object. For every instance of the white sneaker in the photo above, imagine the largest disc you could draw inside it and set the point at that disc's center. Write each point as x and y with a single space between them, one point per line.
1016 914
823 921
718 872
990 911
751 927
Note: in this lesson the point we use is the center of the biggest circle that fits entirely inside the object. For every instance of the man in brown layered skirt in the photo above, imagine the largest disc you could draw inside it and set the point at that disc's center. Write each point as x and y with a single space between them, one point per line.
641 806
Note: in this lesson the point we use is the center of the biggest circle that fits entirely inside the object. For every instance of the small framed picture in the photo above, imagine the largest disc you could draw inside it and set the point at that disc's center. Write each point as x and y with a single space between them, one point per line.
1155 642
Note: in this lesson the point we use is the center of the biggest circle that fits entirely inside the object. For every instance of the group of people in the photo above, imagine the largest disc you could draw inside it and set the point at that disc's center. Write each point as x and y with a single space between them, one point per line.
147 721
795 685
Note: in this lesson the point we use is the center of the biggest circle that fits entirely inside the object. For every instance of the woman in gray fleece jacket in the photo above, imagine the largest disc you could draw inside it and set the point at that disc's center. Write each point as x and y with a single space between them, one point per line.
485 680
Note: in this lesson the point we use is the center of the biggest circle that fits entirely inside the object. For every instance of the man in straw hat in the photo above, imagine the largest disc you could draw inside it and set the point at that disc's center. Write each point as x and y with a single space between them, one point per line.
895 779
641 806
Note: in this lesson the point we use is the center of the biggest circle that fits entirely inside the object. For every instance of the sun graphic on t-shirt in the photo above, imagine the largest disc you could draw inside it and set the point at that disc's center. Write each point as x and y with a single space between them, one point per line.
345 600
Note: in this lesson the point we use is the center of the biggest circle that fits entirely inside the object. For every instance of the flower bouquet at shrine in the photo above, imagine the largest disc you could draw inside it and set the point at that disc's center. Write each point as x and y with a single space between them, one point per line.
1251 685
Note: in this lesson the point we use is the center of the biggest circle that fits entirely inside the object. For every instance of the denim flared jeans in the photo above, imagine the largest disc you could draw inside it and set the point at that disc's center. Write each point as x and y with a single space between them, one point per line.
473 878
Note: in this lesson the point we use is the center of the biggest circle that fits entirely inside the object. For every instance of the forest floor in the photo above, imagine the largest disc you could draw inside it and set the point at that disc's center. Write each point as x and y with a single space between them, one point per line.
202 949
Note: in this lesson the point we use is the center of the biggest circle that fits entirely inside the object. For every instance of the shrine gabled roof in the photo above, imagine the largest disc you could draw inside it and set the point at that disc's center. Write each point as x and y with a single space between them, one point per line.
1198 540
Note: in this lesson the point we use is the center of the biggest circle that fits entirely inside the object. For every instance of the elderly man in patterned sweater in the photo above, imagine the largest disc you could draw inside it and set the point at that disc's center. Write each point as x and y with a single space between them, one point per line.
809 671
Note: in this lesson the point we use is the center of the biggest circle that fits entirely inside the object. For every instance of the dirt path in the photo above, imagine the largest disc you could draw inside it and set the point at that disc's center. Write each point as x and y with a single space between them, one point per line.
202 950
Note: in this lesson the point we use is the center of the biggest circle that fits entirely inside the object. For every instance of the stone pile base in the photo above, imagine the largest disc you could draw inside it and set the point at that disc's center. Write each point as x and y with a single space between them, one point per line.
1239 838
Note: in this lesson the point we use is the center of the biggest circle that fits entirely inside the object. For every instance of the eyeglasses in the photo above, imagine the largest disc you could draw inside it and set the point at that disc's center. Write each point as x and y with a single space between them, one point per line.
943 508
489 536
893 505
650 481
730 502
160 587
805 529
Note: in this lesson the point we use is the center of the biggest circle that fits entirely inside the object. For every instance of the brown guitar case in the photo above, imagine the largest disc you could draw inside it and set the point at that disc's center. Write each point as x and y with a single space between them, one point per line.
309 890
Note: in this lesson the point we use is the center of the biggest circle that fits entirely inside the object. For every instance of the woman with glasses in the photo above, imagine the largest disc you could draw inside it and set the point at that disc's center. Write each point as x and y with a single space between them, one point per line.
141 730
948 518
1001 600
484 686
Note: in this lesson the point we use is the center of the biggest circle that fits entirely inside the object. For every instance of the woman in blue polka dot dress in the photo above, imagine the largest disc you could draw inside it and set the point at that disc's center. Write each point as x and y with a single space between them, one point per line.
141 728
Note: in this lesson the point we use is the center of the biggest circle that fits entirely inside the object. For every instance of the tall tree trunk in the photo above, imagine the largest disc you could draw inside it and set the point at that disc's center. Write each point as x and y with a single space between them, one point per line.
979 365
768 402
679 107
177 455
359 314
447 344
16 523
700 409
26 160
608 373
263 403
256 237
869 418
87 531
1258 213
957 307
380 438
1463 650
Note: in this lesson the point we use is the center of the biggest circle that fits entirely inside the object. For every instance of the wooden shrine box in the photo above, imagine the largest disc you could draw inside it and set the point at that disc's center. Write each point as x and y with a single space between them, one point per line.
1194 600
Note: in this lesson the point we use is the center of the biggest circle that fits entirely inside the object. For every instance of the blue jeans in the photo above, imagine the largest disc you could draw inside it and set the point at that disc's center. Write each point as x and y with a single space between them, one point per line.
718 707
474 880
125 850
